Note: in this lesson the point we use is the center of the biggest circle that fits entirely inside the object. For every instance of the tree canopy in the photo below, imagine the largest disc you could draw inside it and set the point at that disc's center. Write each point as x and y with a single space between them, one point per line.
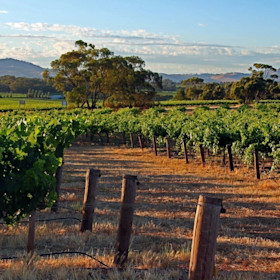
87 74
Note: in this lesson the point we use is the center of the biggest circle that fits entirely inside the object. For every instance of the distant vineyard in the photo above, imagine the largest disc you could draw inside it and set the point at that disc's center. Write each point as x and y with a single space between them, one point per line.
197 102
32 144
171 103
9 104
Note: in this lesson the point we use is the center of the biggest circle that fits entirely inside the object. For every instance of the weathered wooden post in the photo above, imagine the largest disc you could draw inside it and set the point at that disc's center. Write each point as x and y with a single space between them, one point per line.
31 233
256 163
131 140
201 149
231 166
92 176
204 241
126 217
141 142
155 145
185 151
167 147
58 178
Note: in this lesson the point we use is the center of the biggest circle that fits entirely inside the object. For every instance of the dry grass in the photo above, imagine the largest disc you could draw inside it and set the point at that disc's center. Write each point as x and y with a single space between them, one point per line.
248 242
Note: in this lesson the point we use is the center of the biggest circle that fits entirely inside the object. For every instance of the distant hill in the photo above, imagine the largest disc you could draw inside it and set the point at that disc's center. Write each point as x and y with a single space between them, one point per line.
19 68
208 78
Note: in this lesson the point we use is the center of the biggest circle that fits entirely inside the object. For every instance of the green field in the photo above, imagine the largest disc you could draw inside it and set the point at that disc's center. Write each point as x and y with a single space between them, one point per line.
7 104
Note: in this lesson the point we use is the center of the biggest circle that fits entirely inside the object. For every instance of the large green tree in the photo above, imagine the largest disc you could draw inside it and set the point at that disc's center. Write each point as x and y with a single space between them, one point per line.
88 74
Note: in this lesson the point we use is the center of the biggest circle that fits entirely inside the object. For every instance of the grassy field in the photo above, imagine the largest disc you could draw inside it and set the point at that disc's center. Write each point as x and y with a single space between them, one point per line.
248 242
30 104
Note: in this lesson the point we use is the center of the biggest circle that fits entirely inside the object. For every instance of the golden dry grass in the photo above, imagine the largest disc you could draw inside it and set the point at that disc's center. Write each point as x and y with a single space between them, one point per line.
249 236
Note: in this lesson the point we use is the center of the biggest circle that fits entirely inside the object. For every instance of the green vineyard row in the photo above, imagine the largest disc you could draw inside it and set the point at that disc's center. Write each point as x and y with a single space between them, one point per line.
32 144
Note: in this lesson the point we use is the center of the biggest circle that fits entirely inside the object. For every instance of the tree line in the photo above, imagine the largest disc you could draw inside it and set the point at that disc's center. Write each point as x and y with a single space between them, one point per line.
12 84
261 84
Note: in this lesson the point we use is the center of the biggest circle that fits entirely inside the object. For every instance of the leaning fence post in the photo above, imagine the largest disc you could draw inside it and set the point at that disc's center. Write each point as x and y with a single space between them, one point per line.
141 142
92 176
256 163
31 233
155 145
167 147
231 166
126 217
201 149
58 178
131 140
185 151
205 234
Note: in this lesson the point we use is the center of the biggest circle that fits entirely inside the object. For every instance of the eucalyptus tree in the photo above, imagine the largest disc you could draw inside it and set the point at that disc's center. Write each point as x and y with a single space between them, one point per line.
88 74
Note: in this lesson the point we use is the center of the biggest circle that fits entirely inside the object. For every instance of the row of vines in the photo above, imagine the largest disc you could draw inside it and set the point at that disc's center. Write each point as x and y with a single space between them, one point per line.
32 144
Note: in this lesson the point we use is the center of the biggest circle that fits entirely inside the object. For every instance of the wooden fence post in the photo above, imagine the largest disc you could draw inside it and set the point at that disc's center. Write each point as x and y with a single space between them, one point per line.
126 217
201 149
155 145
31 233
256 163
167 147
58 178
185 151
205 234
131 140
141 142
231 166
92 176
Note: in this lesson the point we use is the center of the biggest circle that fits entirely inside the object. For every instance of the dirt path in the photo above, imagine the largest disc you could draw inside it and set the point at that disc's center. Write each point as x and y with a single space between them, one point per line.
249 236
250 230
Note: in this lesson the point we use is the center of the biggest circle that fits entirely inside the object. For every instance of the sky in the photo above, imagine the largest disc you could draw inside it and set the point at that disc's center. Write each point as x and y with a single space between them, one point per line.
172 36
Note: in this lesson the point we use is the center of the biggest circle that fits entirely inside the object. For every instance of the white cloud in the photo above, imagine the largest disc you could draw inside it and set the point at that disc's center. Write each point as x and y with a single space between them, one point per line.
202 24
4 12
45 42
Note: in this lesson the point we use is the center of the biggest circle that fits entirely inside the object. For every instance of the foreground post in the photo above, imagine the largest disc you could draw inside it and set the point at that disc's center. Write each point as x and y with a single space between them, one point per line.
31 233
92 176
201 149
205 238
131 140
167 147
126 217
231 166
256 162
141 143
155 145
185 151
58 178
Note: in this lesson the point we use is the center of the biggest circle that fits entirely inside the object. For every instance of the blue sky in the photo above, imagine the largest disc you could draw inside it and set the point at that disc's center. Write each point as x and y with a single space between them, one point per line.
172 36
